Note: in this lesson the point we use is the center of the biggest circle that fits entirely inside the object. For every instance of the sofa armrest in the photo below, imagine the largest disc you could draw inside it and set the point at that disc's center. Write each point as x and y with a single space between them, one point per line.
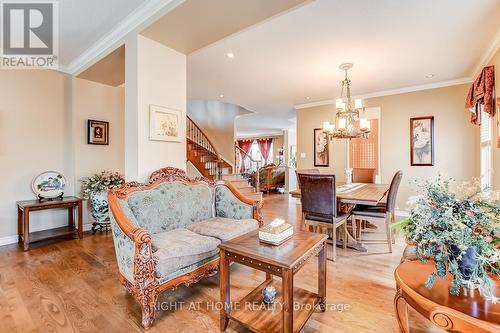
230 203
132 244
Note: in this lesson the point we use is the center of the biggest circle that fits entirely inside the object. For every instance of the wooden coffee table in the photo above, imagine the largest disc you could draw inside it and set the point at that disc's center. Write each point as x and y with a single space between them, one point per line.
462 313
288 315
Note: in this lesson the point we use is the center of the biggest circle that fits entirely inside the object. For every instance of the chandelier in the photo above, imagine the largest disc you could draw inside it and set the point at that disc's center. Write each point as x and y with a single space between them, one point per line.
348 124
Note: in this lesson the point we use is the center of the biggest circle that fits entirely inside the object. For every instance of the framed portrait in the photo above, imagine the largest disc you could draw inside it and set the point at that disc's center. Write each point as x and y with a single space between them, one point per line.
422 141
97 132
164 124
321 158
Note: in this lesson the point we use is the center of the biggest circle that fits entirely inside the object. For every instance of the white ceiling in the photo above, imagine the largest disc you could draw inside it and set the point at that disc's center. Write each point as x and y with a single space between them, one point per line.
83 22
393 44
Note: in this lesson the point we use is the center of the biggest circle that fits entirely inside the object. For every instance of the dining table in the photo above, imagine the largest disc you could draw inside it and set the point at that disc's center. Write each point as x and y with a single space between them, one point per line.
350 195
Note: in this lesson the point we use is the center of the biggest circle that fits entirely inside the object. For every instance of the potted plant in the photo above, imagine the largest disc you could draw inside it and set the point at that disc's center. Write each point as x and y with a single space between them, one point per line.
459 231
96 189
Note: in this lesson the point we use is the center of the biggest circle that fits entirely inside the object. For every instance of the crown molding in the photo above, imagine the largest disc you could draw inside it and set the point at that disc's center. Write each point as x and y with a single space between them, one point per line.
134 20
488 55
404 90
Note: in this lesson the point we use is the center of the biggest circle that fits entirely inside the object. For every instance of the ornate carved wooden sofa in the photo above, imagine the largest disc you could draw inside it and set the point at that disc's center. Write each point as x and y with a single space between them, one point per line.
166 233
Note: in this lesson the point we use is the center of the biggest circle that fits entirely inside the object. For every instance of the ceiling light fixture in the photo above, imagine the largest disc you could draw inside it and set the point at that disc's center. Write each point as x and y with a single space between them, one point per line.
349 125
308 98
221 96
230 55
430 76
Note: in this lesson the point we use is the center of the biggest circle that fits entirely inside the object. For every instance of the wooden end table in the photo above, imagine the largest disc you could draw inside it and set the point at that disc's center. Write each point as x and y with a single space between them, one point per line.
23 219
284 260
470 313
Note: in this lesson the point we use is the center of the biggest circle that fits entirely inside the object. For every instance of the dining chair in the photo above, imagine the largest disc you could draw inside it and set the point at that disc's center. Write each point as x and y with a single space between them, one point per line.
296 193
363 175
367 176
319 206
380 213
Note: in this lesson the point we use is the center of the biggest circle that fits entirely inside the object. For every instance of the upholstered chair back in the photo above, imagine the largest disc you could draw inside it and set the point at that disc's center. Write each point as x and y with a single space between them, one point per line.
171 205
362 175
318 196
393 191
305 171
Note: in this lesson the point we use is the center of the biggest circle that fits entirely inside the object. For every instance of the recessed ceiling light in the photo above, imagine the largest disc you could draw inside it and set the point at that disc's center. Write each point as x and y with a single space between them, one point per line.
308 98
221 96
230 55
430 76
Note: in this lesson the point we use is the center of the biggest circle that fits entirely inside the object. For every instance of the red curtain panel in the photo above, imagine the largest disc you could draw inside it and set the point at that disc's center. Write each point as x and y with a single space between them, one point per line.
245 145
482 92
265 147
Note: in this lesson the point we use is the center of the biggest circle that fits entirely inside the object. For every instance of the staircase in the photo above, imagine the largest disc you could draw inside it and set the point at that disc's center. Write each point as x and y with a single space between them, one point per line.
242 185
205 158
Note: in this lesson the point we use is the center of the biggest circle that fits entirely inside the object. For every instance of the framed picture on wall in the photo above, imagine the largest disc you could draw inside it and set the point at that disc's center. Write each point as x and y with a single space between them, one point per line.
422 141
97 132
321 158
164 124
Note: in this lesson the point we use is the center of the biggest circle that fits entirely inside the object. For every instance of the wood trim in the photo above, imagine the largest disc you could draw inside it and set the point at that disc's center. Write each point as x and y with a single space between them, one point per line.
412 162
219 157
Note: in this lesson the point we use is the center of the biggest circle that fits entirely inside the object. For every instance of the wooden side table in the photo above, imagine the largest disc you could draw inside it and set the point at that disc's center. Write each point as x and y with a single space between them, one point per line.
470 313
289 314
23 219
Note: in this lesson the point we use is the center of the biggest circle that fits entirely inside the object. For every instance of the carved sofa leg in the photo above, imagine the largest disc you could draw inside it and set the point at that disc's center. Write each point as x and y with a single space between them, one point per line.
148 305
146 281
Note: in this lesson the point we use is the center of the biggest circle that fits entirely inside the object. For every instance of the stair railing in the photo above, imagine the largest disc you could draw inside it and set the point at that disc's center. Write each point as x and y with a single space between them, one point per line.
242 157
203 147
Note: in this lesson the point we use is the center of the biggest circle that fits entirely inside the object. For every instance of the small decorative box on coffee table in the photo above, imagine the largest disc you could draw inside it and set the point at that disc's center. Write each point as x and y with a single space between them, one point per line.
276 233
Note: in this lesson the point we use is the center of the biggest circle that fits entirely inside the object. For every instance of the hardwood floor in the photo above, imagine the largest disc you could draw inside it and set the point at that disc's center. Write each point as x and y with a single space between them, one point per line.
72 286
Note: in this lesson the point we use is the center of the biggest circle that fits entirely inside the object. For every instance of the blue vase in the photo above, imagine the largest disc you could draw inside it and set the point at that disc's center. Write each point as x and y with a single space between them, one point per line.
99 207
269 294
468 261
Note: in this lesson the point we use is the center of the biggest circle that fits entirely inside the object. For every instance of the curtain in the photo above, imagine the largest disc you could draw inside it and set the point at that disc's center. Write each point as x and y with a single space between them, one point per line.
245 145
265 147
482 92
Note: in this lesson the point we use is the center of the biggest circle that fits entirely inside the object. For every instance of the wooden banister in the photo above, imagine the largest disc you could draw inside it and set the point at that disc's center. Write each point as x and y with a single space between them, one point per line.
205 138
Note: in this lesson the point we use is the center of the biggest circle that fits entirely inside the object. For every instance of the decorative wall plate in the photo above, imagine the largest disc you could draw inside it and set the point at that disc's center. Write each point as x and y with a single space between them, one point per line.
49 184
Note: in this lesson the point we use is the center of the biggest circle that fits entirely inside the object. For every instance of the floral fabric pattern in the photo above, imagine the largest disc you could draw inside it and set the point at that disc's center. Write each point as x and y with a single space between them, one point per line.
171 206
229 206
124 249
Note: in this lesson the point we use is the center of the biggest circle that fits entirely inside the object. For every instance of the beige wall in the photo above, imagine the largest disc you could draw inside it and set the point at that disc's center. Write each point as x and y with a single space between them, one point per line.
43 118
278 143
456 140
155 74
216 119
97 101
34 137
307 120
496 151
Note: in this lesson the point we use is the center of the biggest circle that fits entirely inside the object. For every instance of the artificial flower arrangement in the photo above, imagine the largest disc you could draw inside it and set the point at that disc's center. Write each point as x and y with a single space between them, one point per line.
99 182
459 230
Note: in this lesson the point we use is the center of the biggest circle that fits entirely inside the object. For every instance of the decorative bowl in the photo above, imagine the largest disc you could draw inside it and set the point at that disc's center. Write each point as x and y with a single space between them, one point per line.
49 184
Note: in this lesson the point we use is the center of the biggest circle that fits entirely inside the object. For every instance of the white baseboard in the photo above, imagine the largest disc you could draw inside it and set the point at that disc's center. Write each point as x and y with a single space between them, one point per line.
8 240
13 239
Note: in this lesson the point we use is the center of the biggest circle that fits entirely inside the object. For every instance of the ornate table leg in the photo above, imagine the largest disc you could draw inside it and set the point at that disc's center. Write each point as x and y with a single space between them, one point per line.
322 278
224 290
401 308
287 280
26 229
80 220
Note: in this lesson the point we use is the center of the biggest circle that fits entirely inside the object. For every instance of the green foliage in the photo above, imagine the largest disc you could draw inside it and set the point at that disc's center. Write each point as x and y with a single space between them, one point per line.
459 230
104 181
